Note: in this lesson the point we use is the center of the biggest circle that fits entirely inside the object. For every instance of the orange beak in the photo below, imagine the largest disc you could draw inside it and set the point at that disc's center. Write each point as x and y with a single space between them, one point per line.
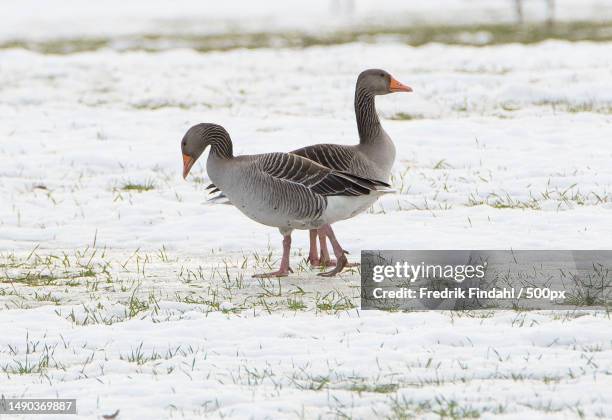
187 164
395 86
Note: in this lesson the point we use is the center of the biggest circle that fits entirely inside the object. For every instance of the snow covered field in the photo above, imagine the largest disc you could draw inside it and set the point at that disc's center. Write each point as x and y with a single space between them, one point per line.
122 287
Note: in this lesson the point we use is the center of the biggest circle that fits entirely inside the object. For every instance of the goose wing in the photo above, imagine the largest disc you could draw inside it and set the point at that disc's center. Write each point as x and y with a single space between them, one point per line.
334 156
295 169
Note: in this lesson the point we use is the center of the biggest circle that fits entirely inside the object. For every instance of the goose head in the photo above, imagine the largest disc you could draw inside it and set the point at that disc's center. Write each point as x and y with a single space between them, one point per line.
197 139
379 82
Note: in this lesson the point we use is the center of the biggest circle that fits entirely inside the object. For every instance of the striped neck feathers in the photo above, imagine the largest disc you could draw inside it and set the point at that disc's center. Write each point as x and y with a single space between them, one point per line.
221 145
368 123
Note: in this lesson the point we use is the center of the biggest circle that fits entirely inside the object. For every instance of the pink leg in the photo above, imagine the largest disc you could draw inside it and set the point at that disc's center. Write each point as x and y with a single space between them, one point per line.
284 269
338 252
325 260
313 257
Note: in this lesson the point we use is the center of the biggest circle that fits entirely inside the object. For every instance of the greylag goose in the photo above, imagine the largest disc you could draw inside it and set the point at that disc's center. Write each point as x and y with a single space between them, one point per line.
372 158
282 190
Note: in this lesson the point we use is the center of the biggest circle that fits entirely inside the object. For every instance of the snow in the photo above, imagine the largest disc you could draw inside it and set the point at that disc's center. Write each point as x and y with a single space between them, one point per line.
84 125
142 301
272 365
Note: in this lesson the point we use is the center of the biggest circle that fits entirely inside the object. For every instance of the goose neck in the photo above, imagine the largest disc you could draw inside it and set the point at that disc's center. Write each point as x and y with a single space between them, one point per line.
221 147
368 123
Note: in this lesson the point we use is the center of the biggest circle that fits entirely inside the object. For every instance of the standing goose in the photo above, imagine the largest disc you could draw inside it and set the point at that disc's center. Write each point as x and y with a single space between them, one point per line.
282 190
372 158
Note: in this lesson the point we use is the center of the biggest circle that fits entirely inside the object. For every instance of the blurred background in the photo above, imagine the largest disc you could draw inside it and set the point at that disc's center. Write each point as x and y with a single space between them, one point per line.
67 26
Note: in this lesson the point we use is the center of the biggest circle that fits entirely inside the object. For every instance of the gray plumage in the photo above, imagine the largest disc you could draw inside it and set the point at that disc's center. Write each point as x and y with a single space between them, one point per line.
276 189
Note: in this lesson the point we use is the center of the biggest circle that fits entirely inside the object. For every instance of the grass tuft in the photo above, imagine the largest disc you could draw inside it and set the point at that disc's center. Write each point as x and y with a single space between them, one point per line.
132 186
404 116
